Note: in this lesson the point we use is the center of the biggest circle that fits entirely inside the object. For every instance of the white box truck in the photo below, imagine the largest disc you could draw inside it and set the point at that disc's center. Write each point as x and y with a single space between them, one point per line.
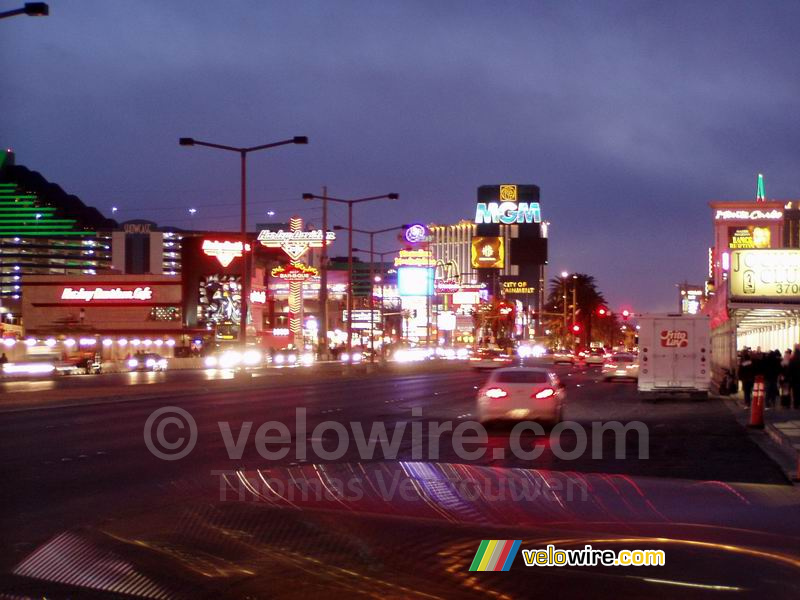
674 355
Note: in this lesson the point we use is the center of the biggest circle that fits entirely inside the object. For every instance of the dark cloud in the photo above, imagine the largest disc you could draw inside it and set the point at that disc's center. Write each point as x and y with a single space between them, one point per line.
629 115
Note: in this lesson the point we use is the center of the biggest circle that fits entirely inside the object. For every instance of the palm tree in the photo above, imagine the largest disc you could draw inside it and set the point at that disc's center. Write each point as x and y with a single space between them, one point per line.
587 299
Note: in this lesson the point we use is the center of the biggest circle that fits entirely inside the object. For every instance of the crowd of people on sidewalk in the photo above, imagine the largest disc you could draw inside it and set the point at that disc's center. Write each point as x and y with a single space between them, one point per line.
780 372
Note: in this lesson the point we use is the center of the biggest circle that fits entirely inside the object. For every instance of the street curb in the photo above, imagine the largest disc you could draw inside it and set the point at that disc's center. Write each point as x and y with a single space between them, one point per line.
770 439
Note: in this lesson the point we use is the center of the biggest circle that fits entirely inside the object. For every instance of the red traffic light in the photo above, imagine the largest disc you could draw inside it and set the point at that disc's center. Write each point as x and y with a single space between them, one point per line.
576 328
626 313
602 311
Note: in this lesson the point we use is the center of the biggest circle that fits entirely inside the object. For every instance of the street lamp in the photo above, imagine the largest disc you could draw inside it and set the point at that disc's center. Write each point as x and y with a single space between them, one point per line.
31 9
323 280
371 235
243 152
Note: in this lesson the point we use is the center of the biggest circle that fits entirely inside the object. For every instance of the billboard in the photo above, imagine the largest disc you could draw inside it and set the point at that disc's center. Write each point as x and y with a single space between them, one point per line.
415 281
765 276
487 253
750 236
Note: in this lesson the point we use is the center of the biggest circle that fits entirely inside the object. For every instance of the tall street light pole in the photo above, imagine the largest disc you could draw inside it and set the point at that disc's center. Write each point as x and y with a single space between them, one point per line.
243 152
371 235
350 203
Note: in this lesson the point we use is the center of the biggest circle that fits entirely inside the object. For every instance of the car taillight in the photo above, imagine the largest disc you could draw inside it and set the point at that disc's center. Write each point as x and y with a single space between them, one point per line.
545 393
496 393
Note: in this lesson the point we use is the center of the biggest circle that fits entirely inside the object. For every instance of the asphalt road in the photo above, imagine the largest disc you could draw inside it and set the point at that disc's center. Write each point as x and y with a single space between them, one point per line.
65 467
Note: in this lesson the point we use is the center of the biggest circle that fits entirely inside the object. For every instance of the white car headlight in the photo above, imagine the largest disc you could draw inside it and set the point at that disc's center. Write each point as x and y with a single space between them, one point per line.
251 357
133 363
211 362
150 362
279 359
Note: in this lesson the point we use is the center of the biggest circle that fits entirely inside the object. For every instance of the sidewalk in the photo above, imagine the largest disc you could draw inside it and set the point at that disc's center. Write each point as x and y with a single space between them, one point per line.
781 425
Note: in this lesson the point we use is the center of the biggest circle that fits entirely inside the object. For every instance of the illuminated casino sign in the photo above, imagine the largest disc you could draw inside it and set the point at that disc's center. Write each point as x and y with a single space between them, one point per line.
747 215
224 251
518 287
139 294
508 213
416 233
749 237
414 258
295 272
487 253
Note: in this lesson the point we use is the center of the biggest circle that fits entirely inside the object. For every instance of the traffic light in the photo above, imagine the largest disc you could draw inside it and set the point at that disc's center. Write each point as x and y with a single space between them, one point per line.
602 311
626 313
576 328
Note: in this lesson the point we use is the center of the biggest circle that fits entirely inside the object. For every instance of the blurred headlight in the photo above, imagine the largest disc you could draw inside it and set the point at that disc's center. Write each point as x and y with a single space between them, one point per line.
291 359
150 362
230 359
307 359
133 363
251 357
211 361
345 357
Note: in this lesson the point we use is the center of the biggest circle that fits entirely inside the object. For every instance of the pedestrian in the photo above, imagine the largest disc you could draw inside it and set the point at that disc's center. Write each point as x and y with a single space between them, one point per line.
3 359
794 376
785 380
746 375
772 370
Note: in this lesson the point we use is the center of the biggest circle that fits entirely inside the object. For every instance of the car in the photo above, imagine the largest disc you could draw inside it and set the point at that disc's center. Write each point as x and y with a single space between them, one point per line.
486 358
621 365
594 356
521 393
148 361
564 357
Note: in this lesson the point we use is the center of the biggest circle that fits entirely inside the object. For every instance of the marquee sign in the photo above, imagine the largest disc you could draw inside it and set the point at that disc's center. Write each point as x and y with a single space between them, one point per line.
765 275
224 251
294 272
139 294
295 242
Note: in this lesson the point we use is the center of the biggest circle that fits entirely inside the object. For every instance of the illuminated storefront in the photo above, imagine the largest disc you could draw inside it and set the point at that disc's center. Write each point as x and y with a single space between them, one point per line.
114 314
755 280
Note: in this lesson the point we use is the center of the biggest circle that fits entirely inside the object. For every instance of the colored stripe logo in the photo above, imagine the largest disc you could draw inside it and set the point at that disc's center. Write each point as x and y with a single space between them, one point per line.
495 555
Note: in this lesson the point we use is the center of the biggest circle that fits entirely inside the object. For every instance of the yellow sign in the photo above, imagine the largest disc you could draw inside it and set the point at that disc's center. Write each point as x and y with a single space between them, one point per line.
765 275
518 287
749 237
414 258
508 193
487 253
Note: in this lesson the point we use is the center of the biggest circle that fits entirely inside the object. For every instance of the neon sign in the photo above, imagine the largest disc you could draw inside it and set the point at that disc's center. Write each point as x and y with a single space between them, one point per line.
414 258
295 272
139 294
225 251
747 215
295 242
416 233
508 212
258 297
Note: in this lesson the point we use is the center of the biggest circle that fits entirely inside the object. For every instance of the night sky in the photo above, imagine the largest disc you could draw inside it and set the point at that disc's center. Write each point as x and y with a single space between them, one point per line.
630 116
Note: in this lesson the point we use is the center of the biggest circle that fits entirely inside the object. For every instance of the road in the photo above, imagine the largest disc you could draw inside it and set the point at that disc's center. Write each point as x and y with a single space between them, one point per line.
71 466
